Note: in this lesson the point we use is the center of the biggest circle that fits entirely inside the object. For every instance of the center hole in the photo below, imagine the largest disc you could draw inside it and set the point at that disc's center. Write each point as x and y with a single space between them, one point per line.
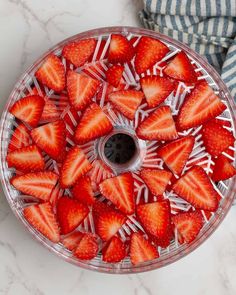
120 148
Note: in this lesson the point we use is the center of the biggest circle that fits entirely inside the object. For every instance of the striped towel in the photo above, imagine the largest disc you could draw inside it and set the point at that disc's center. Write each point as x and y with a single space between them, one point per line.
207 26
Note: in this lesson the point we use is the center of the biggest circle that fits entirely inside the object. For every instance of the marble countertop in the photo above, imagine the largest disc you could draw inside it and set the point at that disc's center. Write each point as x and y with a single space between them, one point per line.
27 29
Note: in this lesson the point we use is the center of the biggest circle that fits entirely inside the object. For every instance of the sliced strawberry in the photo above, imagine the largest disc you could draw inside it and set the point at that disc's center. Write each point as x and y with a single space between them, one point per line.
159 125
72 241
52 73
223 169
188 224
156 180
81 89
201 105
78 53
156 89
74 166
50 112
26 159
195 187
216 138
93 124
120 49
51 138
20 138
70 214
114 74
120 191
37 184
141 249
180 68
176 153
28 109
126 101
83 192
95 70
100 208
149 52
114 251
164 241
87 248
42 218
55 194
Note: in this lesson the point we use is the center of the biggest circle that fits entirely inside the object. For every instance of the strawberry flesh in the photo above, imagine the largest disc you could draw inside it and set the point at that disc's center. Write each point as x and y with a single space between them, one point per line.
72 241
87 248
114 74
83 192
114 251
120 49
223 169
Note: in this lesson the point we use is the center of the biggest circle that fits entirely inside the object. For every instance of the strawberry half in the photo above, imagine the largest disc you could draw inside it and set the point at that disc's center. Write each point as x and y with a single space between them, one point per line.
126 101
195 187
176 153
223 169
120 49
159 125
156 89
87 248
120 191
94 123
149 51
72 241
201 105
28 109
52 73
114 251
114 74
78 53
42 218
20 138
83 192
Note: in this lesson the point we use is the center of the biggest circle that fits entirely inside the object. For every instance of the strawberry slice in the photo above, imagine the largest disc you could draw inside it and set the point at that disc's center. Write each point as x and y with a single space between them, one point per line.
126 101
120 49
52 73
51 138
180 68
81 89
114 74
120 191
26 159
50 112
149 52
87 248
155 217
28 109
156 180
42 218
72 241
216 138
74 166
56 193
83 192
176 153
156 89
78 53
100 208
70 214
201 105
114 251
195 187
188 224
93 124
141 249
159 125
223 169
164 241
20 138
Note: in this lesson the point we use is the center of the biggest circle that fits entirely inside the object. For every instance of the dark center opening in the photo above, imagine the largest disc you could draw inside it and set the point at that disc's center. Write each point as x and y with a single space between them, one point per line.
120 148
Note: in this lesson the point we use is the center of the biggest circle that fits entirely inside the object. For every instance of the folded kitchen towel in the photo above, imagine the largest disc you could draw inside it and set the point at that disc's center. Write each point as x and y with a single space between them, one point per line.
207 26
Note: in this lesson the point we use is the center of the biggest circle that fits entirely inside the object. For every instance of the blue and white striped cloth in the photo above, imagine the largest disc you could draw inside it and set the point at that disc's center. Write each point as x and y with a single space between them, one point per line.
207 26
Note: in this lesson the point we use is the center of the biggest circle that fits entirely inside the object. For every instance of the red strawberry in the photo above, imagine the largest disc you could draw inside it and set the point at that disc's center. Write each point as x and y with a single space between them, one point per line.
55 194
156 180
149 52
81 89
95 71
114 74
156 89
176 153
79 52
120 190
100 172
164 241
93 124
106 89
100 208
223 169
83 192
50 112
188 224
201 105
72 241
70 214
87 248
52 73
20 138
74 166
114 251
42 218
159 125
195 187
141 249
120 49
37 184
126 101
51 138
180 68
28 109
27 159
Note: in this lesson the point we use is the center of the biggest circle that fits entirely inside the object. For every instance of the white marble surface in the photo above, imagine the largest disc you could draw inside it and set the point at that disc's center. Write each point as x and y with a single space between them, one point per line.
27 29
